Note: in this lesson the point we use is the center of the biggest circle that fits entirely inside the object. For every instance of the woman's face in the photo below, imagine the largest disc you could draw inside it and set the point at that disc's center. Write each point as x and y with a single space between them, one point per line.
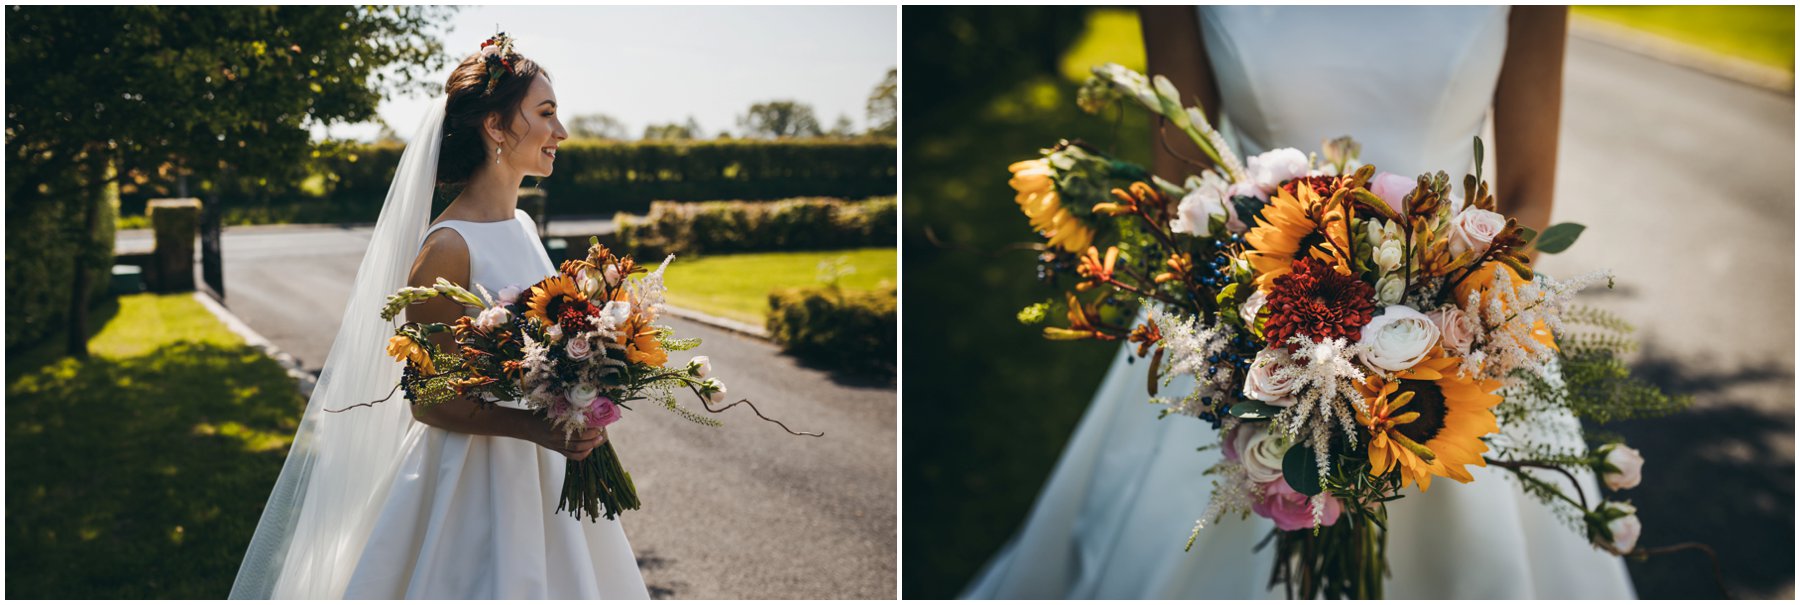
536 131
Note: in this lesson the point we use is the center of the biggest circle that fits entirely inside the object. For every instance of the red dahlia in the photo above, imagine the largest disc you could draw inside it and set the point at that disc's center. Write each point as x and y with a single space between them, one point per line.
574 314
1317 302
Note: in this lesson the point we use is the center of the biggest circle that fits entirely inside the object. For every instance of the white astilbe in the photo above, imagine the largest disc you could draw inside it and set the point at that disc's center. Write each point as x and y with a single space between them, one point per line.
1509 313
647 292
536 359
1233 492
1188 344
1325 376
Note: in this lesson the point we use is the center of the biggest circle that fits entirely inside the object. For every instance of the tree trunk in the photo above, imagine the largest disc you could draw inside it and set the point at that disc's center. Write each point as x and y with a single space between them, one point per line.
78 285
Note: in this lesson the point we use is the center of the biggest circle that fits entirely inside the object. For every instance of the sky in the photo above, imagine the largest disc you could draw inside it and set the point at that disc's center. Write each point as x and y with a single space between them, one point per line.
645 65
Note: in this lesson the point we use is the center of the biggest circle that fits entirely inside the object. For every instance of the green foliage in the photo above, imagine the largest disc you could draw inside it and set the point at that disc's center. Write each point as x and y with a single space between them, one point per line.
796 224
737 286
670 403
849 328
884 106
1558 237
164 446
1600 387
47 237
1301 469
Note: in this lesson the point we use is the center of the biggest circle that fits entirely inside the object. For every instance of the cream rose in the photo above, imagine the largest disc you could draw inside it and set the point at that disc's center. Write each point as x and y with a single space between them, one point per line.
1627 464
716 394
1265 383
1625 529
510 295
554 333
583 395
1194 215
1270 168
1251 306
1474 229
580 347
1455 331
1398 339
492 319
1261 455
702 366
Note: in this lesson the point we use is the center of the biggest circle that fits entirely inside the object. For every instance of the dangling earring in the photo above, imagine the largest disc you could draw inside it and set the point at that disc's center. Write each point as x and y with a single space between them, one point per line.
496 156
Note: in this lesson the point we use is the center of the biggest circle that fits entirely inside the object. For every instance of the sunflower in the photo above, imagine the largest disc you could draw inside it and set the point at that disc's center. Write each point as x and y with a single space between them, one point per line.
404 348
1302 215
548 296
1427 421
1037 197
641 344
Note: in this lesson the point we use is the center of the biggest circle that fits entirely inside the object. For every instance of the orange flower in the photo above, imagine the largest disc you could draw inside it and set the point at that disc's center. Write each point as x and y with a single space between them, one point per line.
1096 270
404 348
642 346
1428 421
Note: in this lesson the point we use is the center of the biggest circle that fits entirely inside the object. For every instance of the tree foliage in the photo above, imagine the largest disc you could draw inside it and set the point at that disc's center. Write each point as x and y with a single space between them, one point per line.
597 126
779 120
884 106
672 131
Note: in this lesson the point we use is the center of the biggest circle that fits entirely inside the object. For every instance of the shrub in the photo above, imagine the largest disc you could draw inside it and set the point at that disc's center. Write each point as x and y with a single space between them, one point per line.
856 329
796 224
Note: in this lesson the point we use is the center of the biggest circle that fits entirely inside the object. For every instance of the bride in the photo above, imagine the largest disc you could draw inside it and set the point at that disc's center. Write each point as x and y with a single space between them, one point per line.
451 501
1414 85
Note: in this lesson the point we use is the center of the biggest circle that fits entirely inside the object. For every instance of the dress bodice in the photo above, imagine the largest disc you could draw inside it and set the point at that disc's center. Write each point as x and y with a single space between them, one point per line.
1412 84
502 253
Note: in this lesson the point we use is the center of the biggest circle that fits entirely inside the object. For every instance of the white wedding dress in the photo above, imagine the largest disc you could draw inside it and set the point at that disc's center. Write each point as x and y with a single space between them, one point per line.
1413 85
472 516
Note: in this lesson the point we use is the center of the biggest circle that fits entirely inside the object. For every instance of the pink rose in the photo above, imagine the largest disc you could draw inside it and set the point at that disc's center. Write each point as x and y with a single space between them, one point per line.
1455 331
1392 188
1625 529
1291 510
579 348
1628 467
1474 229
1264 384
603 412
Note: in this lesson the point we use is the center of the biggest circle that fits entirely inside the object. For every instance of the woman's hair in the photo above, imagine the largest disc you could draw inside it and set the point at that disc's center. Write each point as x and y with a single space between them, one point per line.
467 107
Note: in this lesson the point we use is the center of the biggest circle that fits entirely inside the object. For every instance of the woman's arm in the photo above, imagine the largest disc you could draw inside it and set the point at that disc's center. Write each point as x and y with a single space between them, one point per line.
1527 112
446 255
1173 48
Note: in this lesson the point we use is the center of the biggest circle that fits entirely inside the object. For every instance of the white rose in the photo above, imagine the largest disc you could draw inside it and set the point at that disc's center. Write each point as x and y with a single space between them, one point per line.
1262 456
583 395
510 295
618 312
1625 530
580 347
1264 383
1389 290
554 333
1629 464
1270 168
493 318
612 275
1194 215
702 366
1251 306
1455 331
716 391
1474 229
1398 339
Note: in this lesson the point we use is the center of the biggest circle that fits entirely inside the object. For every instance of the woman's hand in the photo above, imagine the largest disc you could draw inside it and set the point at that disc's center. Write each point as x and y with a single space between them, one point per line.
575 446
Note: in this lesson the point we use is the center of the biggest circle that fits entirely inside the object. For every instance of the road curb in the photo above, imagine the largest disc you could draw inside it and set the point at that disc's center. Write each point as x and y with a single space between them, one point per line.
304 380
728 325
1679 53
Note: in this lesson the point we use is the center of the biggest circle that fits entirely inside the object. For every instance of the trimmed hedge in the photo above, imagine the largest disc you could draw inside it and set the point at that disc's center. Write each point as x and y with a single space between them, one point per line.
737 226
44 236
592 177
858 329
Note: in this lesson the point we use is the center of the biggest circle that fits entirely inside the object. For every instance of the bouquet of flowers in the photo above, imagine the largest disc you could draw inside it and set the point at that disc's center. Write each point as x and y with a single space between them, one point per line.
578 347
1351 333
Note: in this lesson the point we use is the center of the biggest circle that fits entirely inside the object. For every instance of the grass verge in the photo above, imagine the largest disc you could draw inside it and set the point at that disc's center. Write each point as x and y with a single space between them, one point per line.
737 286
141 472
1764 34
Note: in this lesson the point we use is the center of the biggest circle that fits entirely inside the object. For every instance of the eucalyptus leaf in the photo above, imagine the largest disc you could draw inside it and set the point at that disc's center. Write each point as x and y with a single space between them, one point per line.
1301 471
1251 409
1559 237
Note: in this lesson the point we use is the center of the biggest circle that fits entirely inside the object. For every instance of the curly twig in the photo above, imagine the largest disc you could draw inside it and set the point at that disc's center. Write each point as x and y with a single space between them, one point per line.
932 237
370 404
1642 553
704 402
1162 124
1516 466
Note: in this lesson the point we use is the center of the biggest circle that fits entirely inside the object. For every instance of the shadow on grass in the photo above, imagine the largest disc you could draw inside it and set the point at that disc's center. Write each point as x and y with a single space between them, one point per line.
141 477
26 360
1721 473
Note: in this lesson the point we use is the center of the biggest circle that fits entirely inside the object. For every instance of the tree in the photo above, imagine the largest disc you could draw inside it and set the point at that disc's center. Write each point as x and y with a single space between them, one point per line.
779 120
686 131
223 93
884 106
843 129
597 126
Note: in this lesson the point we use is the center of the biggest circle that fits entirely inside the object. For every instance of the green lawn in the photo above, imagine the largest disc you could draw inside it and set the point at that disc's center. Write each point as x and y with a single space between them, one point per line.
141 472
1764 34
736 286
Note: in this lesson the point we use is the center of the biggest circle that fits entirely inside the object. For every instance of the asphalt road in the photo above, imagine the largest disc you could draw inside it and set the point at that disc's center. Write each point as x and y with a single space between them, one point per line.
746 511
1685 182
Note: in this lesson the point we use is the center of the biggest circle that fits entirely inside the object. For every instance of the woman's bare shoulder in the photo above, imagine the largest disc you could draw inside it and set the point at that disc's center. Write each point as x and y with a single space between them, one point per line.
444 254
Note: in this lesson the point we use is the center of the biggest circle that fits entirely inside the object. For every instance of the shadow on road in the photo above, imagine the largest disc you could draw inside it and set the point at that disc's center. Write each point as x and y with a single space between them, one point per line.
1720 473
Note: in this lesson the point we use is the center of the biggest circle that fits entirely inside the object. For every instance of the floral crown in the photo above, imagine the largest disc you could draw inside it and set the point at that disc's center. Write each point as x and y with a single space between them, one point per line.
495 51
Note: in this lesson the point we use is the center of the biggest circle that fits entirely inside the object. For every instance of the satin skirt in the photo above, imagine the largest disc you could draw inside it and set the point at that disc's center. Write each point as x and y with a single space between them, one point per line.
472 517
1117 510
